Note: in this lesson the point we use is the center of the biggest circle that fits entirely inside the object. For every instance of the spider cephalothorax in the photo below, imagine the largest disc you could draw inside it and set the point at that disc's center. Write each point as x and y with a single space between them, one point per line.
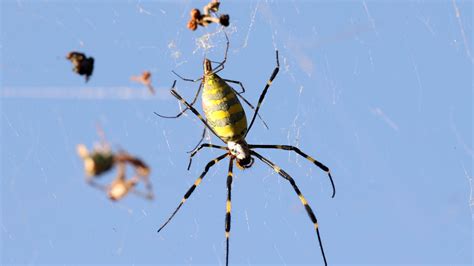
240 151
207 67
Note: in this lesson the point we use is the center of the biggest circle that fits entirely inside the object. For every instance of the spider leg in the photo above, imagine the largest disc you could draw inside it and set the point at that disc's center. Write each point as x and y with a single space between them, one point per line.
121 165
253 108
262 96
308 209
141 174
120 187
238 83
200 140
193 187
220 67
185 109
243 98
92 183
186 79
175 94
148 193
214 62
207 145
302 154
228 210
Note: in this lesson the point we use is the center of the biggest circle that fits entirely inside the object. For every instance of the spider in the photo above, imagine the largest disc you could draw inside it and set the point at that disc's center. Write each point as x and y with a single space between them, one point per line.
102 160
225 118
82 65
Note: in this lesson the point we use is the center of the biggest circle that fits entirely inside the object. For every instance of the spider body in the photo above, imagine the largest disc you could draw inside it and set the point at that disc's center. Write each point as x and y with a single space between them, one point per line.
222 108
225 115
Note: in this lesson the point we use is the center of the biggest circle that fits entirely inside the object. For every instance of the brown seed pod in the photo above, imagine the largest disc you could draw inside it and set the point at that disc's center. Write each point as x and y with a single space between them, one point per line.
224 20
192 25
195 14
146 77
214 6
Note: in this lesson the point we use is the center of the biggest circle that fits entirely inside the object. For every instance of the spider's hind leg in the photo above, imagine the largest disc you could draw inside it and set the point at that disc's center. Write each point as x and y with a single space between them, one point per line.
228 210
303 200
264 92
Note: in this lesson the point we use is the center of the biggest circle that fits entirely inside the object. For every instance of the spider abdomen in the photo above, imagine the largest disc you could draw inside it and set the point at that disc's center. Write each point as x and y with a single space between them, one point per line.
223 110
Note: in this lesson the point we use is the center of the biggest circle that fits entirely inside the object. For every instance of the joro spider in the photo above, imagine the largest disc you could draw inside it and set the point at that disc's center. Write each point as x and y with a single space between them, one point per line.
226 119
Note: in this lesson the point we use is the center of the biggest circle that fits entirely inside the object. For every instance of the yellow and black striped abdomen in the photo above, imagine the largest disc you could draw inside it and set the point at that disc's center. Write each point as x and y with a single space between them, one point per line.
223 110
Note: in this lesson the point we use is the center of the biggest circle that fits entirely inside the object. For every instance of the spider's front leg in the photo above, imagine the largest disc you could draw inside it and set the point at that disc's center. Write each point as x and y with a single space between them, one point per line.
302 154
205 145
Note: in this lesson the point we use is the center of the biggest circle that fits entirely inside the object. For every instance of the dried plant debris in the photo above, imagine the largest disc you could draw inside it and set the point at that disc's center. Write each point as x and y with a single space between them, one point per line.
209 15
83 65
144 79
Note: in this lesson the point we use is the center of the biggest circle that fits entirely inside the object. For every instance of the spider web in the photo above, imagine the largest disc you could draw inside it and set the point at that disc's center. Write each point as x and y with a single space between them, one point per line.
379 92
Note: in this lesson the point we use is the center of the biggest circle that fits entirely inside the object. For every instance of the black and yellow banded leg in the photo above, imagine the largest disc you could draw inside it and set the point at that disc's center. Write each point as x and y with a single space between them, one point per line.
228 209
308 209
306 156
193 187
185 109
205 145
175 94
203 135
264 92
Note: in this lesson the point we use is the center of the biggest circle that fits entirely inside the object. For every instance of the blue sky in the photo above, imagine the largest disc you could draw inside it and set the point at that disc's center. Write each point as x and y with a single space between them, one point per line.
381 92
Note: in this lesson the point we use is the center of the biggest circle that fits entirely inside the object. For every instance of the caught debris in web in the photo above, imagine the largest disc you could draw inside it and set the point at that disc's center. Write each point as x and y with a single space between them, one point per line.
83 65
209 15
144 79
